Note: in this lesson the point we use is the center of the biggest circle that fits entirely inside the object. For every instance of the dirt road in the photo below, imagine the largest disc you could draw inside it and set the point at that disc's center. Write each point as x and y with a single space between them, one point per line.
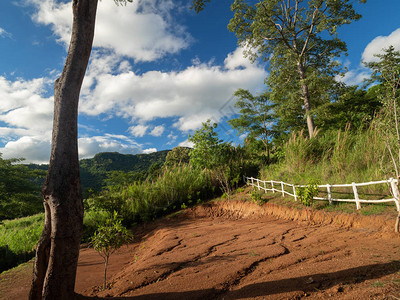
233 250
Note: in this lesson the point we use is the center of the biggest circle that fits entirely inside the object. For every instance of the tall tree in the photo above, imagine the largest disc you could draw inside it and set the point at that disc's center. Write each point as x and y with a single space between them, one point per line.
58 248
255 117
292 35
206 142
178 155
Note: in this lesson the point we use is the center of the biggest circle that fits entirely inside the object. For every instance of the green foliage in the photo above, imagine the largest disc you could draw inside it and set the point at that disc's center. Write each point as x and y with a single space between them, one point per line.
255 116
206 142
19 190
300 43
198 5
227 163
144 201
256 195
112 168
178 155
354 106
18 239
386 71
306 194
108 238
92 220
335 156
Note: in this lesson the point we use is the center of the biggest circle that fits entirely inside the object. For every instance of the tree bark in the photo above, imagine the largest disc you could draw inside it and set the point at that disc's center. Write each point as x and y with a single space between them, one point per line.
306 99
58 248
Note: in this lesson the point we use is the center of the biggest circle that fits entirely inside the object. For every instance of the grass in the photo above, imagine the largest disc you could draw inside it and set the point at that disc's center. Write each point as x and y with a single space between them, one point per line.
18 239
175 188
339 207
333 157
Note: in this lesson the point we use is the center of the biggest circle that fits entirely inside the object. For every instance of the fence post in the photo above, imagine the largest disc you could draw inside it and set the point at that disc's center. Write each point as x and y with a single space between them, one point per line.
294 193
395 191
356 195
258 184
272 186
252 181
283 189
328 189
265 188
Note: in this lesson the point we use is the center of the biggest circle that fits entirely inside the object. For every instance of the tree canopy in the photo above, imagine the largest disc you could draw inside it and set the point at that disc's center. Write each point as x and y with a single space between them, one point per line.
256 116
19 190
293 36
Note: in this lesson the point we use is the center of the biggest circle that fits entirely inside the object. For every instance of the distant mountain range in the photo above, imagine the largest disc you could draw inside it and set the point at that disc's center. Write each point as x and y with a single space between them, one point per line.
94 170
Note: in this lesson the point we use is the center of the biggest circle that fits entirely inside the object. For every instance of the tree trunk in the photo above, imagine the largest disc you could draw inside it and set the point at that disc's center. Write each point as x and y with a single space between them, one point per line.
306 99
105 272
58 248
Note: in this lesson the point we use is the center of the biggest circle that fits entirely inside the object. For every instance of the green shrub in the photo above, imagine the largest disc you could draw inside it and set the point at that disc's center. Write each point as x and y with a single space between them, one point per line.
108 238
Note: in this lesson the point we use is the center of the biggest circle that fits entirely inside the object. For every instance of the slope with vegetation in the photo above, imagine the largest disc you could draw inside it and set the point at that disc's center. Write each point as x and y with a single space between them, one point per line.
305 127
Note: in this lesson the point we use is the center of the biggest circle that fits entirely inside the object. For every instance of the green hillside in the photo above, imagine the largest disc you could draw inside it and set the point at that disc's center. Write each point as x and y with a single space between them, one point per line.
94 171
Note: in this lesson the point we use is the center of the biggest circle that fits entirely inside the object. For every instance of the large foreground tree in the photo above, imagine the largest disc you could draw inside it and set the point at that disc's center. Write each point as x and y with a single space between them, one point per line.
294 37
58 248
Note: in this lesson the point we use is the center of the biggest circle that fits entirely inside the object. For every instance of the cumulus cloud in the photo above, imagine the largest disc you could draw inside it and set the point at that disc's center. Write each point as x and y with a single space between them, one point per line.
379 43
186 143
155 32
34 149
138 130
27 117
192 95
150 150
89 146
157 131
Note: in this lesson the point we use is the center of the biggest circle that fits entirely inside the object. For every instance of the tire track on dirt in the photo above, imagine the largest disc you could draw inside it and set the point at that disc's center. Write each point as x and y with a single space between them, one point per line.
179 266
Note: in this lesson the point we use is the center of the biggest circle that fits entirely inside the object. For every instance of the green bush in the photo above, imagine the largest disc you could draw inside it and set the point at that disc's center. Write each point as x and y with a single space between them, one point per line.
108 238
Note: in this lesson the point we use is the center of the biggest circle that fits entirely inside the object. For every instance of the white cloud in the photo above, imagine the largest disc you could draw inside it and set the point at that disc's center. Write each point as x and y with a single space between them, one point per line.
157 131
34 149
89 146
186 143
171 138
355 77
142 30
138 130
193 94
150 150
4 33
26 114
380 42
236 60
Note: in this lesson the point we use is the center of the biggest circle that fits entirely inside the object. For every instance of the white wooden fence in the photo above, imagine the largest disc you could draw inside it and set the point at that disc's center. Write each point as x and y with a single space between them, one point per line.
279 186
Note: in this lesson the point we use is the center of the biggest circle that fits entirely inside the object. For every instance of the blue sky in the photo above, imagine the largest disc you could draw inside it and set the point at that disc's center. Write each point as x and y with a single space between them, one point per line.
156 73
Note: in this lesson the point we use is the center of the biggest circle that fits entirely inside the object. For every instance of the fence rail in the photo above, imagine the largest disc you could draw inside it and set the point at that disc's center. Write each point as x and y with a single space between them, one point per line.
270 185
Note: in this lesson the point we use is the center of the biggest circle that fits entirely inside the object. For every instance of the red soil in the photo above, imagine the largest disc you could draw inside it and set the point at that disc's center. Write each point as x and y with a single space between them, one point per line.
238 250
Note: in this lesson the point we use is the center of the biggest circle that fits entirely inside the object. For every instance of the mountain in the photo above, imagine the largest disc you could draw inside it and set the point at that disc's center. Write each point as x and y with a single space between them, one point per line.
94 170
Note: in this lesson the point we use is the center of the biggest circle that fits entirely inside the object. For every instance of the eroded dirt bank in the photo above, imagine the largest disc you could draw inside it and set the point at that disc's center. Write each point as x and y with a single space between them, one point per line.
237 250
